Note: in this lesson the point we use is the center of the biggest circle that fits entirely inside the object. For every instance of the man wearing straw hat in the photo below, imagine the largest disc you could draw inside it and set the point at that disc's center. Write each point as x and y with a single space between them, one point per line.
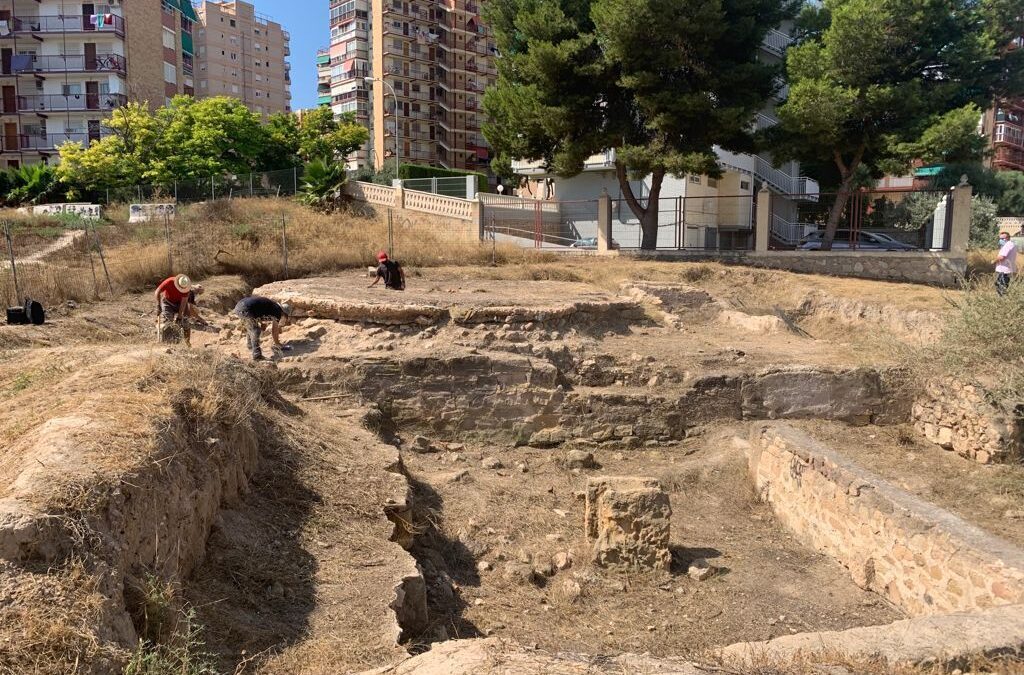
172 309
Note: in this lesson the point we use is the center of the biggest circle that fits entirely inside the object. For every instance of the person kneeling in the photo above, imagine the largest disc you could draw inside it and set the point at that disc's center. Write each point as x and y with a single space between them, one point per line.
254 311
172 300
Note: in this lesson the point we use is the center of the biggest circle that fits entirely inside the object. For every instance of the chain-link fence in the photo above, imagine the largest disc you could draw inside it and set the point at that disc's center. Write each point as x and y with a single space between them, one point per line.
83 260
285 182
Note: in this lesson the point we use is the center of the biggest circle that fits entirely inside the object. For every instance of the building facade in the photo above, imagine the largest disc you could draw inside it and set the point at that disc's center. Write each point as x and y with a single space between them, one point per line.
243 54
1004 127
343 66
434 58
65 66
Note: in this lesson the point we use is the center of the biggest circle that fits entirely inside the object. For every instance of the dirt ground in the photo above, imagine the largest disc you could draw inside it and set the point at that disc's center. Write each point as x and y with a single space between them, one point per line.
530 510
990 496
295 572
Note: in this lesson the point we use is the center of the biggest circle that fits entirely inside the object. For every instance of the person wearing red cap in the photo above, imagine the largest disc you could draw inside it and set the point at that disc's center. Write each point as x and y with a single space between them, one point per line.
390 271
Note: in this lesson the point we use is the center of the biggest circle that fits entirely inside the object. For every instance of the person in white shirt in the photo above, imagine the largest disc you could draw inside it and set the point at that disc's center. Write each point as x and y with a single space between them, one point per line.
1006 263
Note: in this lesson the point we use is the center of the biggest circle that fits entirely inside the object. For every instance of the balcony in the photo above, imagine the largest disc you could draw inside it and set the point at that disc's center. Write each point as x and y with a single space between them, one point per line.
43 103
89 23
71 63
776 42
47 142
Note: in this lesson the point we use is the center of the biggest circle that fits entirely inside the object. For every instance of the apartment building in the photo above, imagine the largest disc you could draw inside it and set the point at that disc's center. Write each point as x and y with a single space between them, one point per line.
64 66
243 53
343 66
434 58
1004 127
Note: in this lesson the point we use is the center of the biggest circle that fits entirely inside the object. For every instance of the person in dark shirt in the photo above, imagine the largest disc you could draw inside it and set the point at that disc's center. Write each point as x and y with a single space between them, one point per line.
254 311
391 272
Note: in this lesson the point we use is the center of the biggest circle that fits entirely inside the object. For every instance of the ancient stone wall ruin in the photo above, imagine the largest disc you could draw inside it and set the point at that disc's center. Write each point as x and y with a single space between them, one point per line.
956 416
920 557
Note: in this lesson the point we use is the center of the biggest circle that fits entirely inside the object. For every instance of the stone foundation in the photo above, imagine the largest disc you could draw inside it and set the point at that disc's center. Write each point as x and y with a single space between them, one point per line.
921 558
957 417
629 520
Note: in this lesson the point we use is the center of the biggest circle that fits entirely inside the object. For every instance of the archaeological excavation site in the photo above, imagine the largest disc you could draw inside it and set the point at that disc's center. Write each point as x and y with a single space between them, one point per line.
647 468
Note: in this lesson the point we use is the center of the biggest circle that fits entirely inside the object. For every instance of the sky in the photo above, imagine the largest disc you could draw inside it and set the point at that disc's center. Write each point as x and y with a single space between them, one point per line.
307 21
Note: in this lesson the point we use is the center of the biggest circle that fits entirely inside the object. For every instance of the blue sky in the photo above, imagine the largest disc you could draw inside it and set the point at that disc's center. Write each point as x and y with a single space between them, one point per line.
307 22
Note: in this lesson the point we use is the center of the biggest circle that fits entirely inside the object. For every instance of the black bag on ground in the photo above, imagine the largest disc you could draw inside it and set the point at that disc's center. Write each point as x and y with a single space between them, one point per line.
34 312
16 316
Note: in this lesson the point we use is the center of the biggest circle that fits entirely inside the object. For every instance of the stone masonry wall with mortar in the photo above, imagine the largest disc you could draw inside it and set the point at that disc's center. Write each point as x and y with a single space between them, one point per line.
918 267
957 417
922 558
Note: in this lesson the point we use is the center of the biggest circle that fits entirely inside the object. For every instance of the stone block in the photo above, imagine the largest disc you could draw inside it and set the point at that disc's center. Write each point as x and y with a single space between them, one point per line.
629 520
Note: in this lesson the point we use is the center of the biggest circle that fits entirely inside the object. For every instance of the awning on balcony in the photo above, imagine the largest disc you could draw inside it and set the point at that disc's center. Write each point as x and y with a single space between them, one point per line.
186 8
186 43
928 171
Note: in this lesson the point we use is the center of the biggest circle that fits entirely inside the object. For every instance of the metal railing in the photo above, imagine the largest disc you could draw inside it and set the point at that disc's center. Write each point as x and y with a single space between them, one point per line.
61 103
19 142
89 23
776 42
70 63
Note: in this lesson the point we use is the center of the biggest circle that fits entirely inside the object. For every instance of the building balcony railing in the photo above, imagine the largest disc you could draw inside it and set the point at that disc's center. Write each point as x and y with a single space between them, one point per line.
89 23
71 63
61 103
45 142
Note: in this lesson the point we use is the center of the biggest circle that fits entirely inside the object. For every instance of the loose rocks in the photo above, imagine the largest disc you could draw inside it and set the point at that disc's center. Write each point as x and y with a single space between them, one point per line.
580 459
701 569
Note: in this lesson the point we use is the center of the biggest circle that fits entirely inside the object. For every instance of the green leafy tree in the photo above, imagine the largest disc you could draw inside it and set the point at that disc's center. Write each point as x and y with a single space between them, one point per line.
660 81
187 139
954 138
207 137
1011 197
871 77
323 135
282 145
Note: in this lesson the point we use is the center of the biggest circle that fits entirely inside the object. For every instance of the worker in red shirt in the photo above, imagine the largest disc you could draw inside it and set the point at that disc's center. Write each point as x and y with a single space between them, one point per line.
172 300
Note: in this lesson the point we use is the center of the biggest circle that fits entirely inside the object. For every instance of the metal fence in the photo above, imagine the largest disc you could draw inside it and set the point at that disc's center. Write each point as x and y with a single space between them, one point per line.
692 222
56 261
541 224
889 219
263 184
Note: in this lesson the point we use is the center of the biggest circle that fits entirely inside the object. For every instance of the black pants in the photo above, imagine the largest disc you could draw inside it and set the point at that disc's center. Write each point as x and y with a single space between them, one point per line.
1002 282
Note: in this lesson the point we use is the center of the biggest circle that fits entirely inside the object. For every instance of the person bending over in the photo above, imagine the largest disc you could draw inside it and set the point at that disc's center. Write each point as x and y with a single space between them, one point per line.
254 311
390 271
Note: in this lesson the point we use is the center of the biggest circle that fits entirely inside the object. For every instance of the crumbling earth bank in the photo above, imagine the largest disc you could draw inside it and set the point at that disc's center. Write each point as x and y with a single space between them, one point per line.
107 507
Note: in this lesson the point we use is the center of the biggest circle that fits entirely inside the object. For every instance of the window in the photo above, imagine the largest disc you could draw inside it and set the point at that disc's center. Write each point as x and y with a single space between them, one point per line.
695 180
232 23
202 84
71 89
234 89
170 73
202 51
744 184
234 56
168 39
712 182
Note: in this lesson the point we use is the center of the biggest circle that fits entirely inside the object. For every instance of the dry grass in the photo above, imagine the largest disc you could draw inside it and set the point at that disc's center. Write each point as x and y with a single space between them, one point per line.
245 237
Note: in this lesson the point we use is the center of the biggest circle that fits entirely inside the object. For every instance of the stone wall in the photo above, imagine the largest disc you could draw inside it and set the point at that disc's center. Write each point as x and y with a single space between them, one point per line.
533 400
920 267
921 558
957 417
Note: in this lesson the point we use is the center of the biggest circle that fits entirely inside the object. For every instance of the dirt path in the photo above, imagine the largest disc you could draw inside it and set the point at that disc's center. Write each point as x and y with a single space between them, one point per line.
63 241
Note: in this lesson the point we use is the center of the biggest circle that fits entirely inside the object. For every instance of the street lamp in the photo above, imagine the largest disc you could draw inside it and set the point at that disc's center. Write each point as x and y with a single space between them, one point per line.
370 80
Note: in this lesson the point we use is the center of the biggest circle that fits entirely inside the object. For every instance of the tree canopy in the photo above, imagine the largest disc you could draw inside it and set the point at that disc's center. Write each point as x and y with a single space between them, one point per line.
196 139
660 81
873 82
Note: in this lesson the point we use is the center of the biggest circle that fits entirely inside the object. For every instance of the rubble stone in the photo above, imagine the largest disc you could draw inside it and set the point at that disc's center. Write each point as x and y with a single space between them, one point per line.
629 519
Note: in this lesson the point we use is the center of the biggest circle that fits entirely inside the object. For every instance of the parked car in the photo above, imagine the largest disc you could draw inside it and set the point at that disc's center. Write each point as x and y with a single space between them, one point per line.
866 241
590 242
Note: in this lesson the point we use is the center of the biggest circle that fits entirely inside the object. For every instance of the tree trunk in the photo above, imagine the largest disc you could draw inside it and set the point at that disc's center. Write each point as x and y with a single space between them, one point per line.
842 196
647 215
